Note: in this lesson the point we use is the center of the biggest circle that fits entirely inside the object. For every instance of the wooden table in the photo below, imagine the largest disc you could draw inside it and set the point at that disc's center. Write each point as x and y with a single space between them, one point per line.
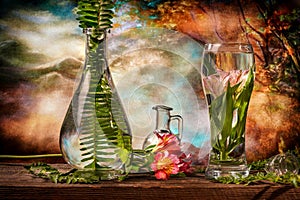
17 183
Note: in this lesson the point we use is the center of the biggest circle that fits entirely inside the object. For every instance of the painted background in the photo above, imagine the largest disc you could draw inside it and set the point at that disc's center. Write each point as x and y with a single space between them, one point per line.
42 48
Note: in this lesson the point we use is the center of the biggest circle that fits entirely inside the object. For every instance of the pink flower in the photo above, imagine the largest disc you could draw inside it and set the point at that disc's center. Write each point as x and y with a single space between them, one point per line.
167 142
213 85
234 77
165 164
169 159
216 84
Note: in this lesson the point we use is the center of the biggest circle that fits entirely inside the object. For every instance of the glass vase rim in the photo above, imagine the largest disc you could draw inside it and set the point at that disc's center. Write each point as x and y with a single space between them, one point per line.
228 43
215 47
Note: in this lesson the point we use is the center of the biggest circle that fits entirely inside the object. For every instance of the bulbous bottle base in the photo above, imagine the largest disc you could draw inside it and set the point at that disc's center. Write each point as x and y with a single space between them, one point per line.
151 140
100 175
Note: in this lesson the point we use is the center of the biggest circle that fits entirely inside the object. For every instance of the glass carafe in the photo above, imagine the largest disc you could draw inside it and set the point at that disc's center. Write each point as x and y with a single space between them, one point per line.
95 135
163 120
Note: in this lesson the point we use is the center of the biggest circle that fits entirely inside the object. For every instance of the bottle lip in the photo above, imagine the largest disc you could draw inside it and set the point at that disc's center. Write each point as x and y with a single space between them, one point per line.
89 30
227 47
162 107
86 30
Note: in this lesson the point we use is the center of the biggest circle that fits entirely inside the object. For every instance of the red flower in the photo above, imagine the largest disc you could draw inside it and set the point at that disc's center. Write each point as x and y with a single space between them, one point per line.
185 163
165 164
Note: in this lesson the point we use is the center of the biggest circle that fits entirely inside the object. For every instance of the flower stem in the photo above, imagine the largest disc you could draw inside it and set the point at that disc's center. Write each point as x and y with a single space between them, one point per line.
223 155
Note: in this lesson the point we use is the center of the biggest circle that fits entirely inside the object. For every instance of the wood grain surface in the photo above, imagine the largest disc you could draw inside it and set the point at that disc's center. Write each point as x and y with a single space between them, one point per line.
17 183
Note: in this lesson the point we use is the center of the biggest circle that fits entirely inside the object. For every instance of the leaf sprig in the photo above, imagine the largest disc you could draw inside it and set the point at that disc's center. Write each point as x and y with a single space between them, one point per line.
48 172
258 165
95 13
260 177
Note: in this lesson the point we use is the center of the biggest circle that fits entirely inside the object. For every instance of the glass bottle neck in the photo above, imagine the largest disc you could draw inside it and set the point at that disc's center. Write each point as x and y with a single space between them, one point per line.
95 50
162 120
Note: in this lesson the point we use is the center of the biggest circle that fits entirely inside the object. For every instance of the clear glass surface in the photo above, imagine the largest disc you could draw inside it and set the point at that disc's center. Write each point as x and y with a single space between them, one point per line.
227 77
163 120
95 135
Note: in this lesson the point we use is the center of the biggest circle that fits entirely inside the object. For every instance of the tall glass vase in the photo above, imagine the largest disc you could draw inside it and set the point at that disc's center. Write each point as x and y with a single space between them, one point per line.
95 135
227 77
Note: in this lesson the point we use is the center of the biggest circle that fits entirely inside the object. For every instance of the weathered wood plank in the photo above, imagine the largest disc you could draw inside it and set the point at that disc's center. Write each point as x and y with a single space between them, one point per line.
17 183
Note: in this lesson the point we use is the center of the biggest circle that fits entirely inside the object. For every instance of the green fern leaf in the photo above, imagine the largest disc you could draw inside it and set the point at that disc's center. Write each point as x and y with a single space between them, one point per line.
104 135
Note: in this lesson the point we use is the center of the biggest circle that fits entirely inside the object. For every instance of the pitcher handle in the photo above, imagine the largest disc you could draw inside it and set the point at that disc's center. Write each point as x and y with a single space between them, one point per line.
180 125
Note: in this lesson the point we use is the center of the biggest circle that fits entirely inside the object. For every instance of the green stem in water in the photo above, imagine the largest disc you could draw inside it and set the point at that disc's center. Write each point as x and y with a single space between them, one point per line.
223 155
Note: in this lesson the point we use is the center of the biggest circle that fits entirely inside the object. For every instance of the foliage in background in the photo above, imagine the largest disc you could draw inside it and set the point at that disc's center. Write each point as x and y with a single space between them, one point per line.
279 42
277 33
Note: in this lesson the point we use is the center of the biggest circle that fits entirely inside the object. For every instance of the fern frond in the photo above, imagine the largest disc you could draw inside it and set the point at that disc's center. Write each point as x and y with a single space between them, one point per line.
104 135
95 14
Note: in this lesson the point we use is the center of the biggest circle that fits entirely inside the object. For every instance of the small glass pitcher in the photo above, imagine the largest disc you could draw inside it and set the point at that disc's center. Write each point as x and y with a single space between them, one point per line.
163 120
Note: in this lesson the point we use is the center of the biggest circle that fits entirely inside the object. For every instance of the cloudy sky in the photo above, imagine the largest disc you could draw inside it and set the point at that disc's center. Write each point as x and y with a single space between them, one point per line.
48 28
32 111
